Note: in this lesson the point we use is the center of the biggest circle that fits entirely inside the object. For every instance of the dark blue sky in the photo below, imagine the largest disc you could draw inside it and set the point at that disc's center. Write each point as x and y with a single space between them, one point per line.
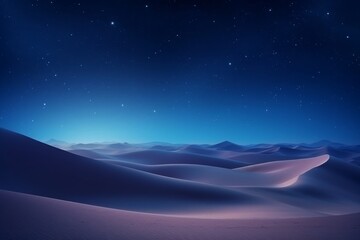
181 71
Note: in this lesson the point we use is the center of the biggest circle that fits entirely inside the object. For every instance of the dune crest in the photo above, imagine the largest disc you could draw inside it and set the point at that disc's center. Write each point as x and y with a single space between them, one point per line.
274 174
285 173
225 181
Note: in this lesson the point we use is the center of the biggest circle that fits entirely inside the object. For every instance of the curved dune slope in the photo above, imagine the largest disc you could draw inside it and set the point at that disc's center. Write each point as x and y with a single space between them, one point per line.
154 157
272 174
32 167
284 173
218 181
27 217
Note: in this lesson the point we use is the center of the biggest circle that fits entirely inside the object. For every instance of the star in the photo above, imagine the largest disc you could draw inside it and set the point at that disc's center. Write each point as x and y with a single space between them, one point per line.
112 23
229 63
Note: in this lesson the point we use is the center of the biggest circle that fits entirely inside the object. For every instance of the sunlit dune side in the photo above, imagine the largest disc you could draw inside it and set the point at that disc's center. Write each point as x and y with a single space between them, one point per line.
273 174
46 171
285 173
262 183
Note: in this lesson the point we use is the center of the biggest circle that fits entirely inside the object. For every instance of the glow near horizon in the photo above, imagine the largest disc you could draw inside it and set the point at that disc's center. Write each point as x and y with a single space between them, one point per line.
103 130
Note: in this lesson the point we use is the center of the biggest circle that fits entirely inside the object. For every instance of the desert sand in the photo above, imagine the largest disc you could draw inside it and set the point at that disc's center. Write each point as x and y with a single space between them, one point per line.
31 217
145 191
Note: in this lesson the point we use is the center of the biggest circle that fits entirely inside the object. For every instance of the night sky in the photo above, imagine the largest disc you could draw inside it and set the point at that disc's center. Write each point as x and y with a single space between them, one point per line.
181 71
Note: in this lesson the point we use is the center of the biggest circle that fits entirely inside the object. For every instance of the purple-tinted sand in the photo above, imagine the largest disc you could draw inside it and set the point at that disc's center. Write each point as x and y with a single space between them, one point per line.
144 191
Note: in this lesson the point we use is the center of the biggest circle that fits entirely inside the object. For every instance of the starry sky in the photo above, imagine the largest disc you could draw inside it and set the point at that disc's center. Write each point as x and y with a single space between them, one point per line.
181 71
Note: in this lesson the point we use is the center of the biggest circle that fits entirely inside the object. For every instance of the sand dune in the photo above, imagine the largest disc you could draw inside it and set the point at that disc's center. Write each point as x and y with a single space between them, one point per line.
284 173
31 217
46 171
90 154
226 145
272 174
182 183
154 157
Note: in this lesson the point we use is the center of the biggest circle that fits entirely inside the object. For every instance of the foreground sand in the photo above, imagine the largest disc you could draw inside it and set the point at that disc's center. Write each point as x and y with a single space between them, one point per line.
26 216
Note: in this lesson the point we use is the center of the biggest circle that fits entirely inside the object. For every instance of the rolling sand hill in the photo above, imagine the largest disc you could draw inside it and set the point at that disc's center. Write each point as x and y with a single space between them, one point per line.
31 217
227 191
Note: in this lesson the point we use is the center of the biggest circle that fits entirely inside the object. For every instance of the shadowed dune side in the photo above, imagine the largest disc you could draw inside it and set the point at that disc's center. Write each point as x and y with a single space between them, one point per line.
183 183
254 158
157 157
198 149
276 153
226 145
272 174
333 188
300 151
154 157
37 218
89 154
285 173
105 149
32 167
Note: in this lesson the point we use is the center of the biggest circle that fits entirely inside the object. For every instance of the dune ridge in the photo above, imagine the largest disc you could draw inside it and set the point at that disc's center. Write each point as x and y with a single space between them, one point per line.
287 181
153 191
26 216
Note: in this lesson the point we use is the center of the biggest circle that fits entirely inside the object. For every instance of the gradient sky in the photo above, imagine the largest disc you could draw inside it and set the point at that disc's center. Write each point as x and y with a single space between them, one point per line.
181 71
